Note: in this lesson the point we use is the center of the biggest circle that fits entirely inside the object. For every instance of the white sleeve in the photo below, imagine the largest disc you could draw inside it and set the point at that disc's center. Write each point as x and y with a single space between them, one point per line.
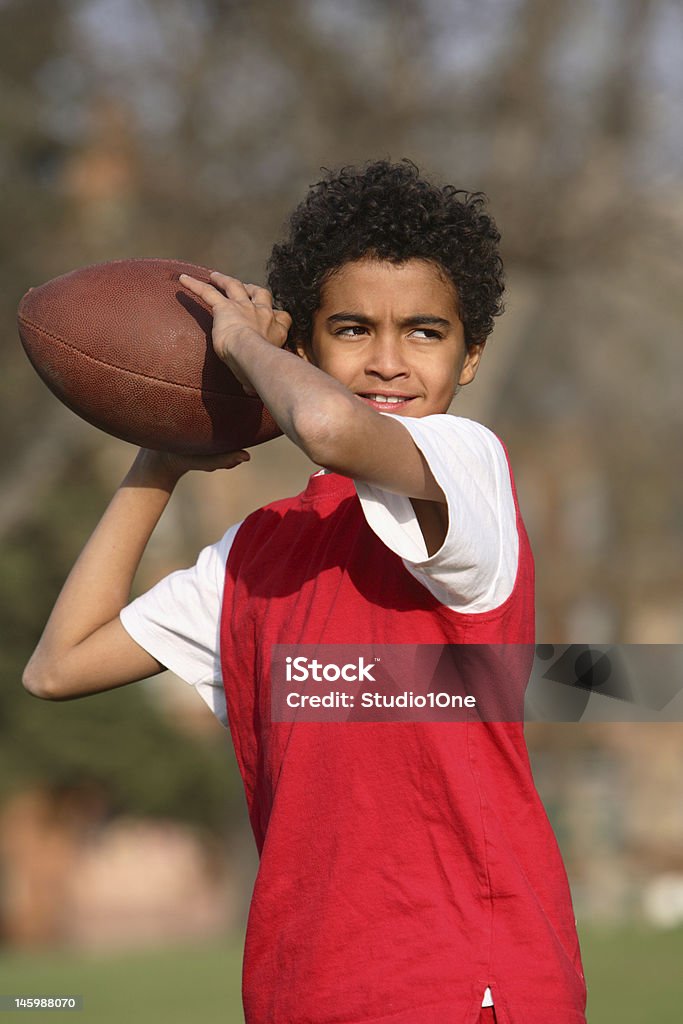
178 622
474 570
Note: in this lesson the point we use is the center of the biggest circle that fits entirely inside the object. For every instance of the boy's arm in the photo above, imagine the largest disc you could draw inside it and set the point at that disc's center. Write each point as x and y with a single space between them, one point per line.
84 648
335 428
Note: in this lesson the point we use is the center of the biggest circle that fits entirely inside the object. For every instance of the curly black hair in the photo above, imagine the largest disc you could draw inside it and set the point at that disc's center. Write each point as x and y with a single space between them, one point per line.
387 211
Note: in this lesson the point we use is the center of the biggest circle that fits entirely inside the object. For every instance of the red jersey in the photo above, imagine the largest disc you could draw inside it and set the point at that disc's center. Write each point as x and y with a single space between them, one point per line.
404 866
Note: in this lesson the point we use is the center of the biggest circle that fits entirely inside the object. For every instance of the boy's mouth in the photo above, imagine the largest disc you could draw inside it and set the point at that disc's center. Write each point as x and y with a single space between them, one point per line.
386 401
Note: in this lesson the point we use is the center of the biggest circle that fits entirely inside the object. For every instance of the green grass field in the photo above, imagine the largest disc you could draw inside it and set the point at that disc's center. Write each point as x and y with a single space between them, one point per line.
634 977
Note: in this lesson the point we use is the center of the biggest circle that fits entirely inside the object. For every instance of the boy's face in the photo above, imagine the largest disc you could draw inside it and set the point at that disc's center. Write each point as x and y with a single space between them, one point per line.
391 333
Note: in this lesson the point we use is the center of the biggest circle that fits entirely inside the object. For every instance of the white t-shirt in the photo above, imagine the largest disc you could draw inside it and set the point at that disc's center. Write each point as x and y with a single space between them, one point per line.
178 620
474 570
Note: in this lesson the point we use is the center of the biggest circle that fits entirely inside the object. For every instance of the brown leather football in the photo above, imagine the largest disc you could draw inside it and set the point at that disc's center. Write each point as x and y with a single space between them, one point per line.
126 347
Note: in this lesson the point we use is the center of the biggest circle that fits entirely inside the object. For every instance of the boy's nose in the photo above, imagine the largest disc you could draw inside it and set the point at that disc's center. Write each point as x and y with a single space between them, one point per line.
386 357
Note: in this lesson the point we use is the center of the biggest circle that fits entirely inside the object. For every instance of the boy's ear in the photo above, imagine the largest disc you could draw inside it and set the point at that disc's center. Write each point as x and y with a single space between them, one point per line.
292 345
471 363
299 346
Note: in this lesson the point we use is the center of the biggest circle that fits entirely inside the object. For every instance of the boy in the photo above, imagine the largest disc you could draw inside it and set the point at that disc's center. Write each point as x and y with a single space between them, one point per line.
408 873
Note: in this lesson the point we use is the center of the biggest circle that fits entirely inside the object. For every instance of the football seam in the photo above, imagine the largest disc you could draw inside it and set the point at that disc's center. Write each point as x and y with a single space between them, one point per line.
133 373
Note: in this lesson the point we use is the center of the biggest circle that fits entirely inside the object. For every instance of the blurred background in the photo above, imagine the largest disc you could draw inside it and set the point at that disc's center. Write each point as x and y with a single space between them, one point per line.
189 129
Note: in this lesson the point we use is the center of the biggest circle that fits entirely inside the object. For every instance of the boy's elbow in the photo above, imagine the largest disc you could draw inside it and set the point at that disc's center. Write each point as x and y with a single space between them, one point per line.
322 429
34 682
39 683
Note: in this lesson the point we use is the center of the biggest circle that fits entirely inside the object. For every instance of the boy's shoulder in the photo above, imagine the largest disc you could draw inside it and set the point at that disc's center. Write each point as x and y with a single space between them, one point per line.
440 433
458 426
441 428
456 448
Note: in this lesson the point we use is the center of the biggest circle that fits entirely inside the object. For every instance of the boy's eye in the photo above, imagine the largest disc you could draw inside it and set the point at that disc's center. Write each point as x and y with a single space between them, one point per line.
355 327
353 330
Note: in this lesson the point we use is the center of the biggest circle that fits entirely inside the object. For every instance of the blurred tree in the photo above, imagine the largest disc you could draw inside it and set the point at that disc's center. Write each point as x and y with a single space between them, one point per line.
190 127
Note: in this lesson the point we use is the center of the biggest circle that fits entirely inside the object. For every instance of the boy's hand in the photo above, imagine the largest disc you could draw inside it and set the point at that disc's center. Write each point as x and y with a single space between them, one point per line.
237 307
169 467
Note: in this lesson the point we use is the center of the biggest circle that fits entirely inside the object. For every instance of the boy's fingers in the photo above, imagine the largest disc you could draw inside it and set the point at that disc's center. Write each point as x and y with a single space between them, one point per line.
284 322
283 318
207 292
207 463
226 460
232 286
259 296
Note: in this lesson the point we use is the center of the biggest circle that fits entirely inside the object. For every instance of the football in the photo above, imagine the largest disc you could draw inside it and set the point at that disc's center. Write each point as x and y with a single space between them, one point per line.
125 346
